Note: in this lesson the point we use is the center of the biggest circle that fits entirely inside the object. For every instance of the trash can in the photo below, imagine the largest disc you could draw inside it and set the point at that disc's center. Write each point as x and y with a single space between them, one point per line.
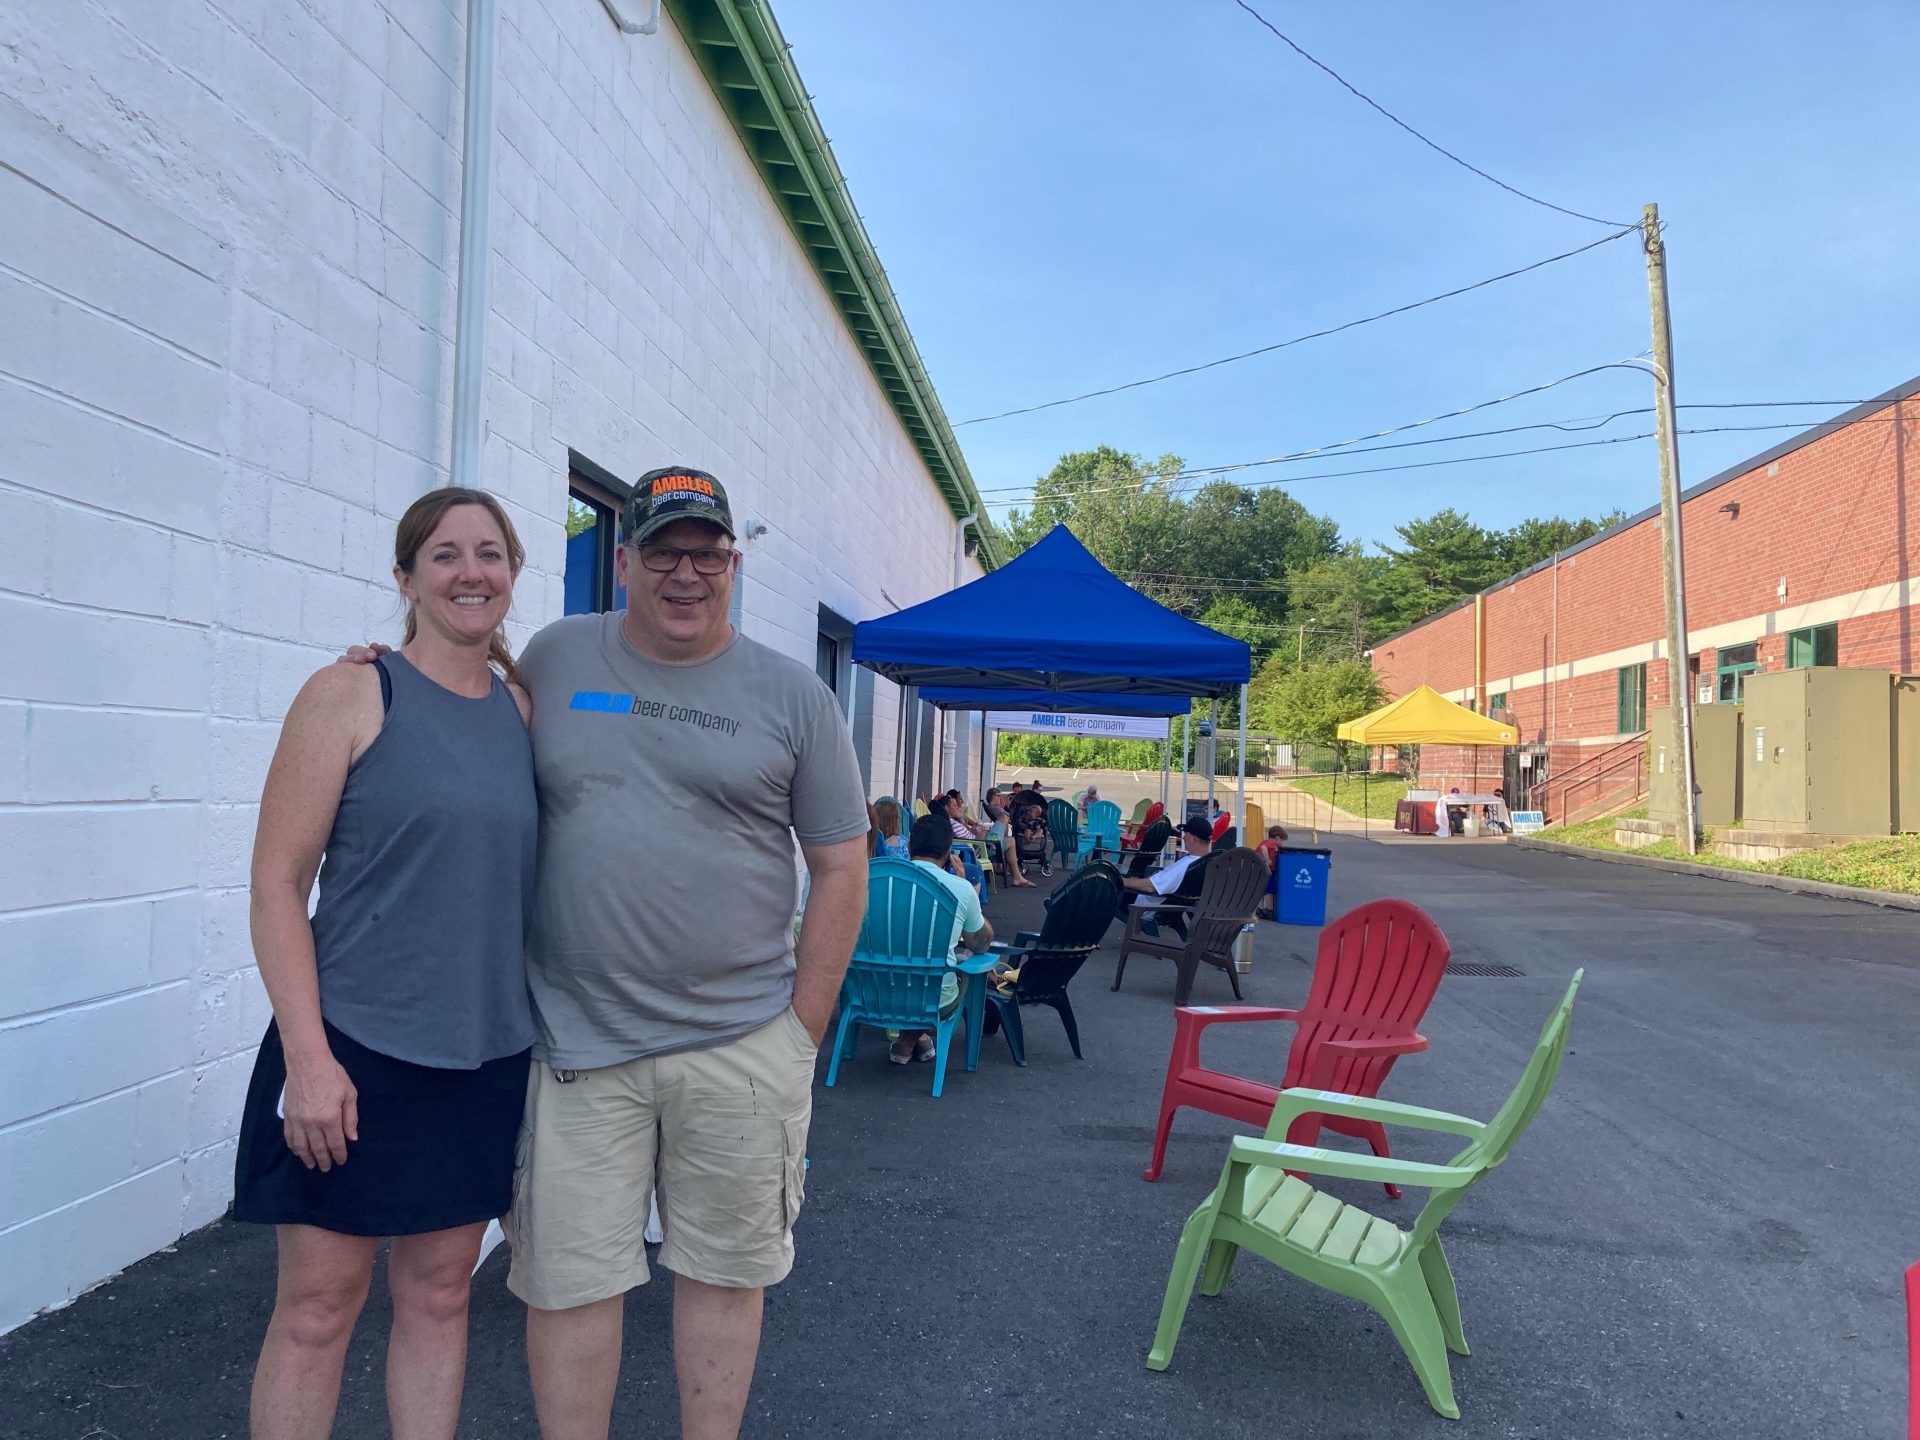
1300 878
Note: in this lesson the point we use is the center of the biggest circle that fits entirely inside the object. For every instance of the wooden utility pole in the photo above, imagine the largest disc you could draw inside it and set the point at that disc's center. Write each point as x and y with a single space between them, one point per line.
1673 571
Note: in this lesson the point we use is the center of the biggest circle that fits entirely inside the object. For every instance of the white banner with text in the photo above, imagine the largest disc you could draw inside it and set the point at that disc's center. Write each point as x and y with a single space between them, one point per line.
1101 727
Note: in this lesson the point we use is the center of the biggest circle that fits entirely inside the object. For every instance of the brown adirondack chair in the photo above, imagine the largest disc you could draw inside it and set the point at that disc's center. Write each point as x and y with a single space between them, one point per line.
1230 887
1374 977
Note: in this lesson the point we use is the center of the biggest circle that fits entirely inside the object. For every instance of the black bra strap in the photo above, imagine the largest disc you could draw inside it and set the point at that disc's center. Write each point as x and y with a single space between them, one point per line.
386 685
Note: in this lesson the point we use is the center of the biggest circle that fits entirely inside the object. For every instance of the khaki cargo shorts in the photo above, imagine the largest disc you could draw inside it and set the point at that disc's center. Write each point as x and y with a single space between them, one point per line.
722 1132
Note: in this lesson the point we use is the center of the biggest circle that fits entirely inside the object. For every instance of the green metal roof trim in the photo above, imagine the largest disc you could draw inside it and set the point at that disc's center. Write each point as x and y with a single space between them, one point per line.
746 60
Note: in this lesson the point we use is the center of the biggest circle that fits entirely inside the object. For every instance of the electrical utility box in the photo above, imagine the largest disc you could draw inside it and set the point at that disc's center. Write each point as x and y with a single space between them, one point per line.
1819 752
1906 753
1716 763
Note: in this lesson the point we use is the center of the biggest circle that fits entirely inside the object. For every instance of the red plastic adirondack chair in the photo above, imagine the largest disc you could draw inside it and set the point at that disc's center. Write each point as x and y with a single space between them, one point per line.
1375 975
1130 834
1913 1353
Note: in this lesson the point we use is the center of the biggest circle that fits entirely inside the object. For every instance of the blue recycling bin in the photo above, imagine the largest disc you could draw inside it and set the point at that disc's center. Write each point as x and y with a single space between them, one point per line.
1300 879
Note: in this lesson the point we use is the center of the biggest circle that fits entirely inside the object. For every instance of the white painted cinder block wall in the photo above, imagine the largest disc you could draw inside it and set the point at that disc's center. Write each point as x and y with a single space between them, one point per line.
226 341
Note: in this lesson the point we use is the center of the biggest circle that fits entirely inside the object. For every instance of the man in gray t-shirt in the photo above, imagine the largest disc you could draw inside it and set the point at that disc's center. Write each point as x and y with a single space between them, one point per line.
679 1017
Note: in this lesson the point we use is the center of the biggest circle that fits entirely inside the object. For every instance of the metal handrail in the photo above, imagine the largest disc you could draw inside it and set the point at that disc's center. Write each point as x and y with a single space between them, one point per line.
1607 765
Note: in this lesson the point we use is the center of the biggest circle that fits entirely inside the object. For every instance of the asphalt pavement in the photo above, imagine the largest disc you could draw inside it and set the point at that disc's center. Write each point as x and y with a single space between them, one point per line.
1702 1234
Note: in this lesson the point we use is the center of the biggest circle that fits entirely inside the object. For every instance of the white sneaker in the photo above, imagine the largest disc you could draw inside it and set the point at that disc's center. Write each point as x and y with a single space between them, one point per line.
900 1052
924 1049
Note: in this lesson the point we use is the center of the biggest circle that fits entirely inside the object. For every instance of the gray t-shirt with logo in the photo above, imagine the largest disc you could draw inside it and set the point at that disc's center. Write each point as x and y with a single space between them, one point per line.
670 796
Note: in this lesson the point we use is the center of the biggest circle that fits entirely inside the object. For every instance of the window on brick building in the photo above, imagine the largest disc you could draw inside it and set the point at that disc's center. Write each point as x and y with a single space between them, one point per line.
1632 699
1496 702
1735 663
1815 645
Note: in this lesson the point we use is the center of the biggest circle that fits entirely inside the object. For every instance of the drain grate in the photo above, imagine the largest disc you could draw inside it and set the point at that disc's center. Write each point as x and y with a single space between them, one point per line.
1461 967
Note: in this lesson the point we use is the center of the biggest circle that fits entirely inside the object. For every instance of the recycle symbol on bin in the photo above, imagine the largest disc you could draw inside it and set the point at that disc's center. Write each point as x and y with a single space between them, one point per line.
1303 876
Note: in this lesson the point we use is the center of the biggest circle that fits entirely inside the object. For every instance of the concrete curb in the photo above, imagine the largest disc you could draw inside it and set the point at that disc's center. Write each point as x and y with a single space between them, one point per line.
1889 898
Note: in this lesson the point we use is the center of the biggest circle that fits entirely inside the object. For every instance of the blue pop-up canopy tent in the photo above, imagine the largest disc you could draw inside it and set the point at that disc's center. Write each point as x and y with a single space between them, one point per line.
1053 619
1055 629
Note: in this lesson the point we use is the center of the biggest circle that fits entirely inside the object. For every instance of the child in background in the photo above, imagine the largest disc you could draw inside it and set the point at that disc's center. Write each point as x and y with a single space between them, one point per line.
1270 852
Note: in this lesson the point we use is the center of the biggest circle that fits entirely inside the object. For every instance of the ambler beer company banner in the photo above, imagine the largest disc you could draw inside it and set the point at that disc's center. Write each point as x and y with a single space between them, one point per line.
1105 727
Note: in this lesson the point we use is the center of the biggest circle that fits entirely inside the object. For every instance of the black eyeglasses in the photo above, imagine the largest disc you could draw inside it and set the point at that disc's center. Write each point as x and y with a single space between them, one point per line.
664 559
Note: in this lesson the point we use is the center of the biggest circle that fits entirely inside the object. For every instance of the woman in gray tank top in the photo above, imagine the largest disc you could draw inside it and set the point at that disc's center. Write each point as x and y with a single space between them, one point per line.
387 1094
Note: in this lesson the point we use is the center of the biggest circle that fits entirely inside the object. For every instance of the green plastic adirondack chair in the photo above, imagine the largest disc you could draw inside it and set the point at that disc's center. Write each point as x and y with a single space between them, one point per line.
1063 831
1259 1206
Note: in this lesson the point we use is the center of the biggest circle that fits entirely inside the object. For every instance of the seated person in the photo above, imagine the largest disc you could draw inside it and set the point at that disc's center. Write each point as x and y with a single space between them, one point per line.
957 812
892 842
1086 800
930 843
943 808
1490 817
1456 814
1030 839
998 834
1196 841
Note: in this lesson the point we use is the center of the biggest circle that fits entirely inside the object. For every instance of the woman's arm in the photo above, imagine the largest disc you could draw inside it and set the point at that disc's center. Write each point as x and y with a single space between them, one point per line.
334 718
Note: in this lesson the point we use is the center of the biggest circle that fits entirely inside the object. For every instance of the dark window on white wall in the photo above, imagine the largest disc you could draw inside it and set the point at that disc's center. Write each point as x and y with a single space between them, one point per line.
593 534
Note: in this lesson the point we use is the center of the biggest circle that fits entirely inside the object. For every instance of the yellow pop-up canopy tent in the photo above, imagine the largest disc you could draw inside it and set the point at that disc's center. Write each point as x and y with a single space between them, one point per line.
1426 717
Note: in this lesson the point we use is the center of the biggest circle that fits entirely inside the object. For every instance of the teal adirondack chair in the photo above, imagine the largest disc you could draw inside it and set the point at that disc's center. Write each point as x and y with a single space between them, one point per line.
1259 1206
1063 830
902 955
1102 835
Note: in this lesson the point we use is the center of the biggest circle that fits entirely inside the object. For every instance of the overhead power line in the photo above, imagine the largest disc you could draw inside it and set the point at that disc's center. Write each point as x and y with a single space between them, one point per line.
1029 490
1300 339
1414 425
1466 459
1431 144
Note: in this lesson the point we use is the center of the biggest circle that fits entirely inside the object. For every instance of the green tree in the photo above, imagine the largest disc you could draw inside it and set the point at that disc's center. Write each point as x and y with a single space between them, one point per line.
1123 510
1309 700
1440 559
1532 541
1223 555
1337 599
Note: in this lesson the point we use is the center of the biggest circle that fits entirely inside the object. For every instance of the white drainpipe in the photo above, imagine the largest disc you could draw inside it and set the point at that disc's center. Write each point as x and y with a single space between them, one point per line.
476 207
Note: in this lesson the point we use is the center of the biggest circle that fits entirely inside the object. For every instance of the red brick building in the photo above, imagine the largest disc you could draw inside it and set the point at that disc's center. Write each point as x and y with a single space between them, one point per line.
1804 555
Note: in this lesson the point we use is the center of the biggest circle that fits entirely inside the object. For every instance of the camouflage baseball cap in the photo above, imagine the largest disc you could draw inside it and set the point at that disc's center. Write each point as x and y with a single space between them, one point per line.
675 492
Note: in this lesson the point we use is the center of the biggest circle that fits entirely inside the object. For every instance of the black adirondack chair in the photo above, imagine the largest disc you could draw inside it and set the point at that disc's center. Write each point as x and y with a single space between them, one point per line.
1141 861
1230 887
1077 920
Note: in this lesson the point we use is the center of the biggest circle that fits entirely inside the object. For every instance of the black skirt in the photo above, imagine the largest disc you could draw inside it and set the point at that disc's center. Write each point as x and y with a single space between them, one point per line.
436 1147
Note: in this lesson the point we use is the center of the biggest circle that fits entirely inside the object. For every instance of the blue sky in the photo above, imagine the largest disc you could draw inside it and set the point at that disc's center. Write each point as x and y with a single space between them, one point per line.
1069 194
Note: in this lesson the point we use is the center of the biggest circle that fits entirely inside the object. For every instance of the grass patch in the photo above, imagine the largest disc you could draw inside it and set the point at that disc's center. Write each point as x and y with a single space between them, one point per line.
1889 864
1381 793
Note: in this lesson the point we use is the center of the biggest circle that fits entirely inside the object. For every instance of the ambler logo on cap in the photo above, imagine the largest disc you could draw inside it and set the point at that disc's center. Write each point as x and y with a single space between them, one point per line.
675 492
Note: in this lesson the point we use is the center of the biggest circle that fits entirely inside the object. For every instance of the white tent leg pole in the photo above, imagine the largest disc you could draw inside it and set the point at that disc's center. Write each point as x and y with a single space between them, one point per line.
1213 765
1186 753
1240 820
